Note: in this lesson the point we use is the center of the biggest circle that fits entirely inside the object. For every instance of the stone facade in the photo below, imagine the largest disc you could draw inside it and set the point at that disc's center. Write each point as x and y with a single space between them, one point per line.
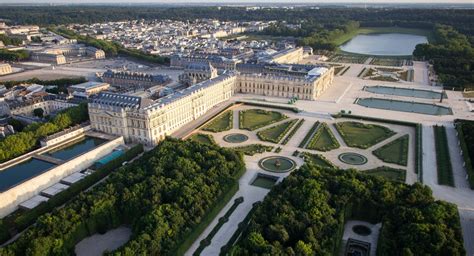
5 69
197 72
125 79
49 106
148 122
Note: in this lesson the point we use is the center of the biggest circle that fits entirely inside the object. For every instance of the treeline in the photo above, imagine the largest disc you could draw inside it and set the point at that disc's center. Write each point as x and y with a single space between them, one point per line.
62 82
28 139
465 129
461 19
18 55
10 41
452 56
163 196
110 48
317 35
305 215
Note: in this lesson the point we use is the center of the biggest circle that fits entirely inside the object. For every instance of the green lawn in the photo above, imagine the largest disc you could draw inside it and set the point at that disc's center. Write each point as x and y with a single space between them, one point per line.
388 173
323 139
395 152
264 182
221 123
276 133
318 159
375 30
253 149
361 135
253 119
202 138
443 159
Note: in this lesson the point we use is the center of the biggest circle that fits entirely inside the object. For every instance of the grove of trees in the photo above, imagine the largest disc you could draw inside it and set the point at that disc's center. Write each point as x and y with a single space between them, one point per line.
452 55
305 215
18 55
28 139
163 197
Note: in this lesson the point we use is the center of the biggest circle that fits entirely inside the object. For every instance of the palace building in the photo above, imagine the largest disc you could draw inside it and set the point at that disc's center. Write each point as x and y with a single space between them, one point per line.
147 121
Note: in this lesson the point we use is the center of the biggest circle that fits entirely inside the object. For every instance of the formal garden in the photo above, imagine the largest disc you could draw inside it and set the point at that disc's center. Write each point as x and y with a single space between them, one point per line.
221 123
360 135
276 133
395 152
253 119
202 138
323 139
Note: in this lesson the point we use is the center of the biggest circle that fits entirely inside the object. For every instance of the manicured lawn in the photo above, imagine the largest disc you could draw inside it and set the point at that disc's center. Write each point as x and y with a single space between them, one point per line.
388 173
253 119
395 152
221 123
317 159
253 149
361 135
443 159
308 135
323 139
202 138
264 182
276 133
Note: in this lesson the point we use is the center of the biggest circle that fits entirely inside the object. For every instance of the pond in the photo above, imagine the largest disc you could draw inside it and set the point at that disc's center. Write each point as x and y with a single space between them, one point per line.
406 92
21 172
73 149
405 106
386 44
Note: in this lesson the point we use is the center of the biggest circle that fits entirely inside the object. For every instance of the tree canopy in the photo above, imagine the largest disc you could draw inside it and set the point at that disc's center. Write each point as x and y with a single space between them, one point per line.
305 215
163 196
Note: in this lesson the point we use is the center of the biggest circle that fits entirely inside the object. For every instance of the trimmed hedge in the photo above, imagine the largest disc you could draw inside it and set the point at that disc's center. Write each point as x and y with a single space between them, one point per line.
213 126
463 138
308 135
265 134
355 142
240 229
242 113
443 159
294 109
313 142
385 153
253 149
293 132
207 241
23 220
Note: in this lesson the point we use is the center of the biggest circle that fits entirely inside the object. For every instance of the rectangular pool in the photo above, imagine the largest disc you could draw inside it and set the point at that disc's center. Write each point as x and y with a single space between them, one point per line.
264 181
405 106
406 92
76 148
21 172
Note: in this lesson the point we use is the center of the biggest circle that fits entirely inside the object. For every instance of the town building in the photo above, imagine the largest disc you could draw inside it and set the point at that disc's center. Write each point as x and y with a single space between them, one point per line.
197 72
48 104
48 57
219 62
85 90
130 80
5 69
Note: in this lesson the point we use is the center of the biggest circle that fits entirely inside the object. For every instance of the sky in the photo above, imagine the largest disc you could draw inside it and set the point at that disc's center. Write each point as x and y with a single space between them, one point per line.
234 1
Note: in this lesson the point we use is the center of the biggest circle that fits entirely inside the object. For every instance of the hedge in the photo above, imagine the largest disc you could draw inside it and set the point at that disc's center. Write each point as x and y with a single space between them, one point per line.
335 144
308 135
294 109
465 152
290 124
207 241
293 132
443 159
27 218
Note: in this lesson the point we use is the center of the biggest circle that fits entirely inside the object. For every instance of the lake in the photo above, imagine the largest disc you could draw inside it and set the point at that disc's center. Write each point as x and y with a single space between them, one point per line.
389 44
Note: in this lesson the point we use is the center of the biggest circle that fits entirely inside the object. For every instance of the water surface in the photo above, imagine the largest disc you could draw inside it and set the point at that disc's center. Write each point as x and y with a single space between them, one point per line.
386 44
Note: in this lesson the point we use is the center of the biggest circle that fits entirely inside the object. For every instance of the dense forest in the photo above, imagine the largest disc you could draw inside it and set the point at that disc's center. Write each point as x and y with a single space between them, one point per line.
461 19
465 129
163 197
19 55
305 215
28 139
452 55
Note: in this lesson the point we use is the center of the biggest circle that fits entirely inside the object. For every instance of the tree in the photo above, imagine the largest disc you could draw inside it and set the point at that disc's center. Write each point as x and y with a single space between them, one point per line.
38 112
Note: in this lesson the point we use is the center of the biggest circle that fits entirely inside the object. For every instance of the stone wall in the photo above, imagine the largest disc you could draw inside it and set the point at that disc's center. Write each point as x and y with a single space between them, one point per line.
10 199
